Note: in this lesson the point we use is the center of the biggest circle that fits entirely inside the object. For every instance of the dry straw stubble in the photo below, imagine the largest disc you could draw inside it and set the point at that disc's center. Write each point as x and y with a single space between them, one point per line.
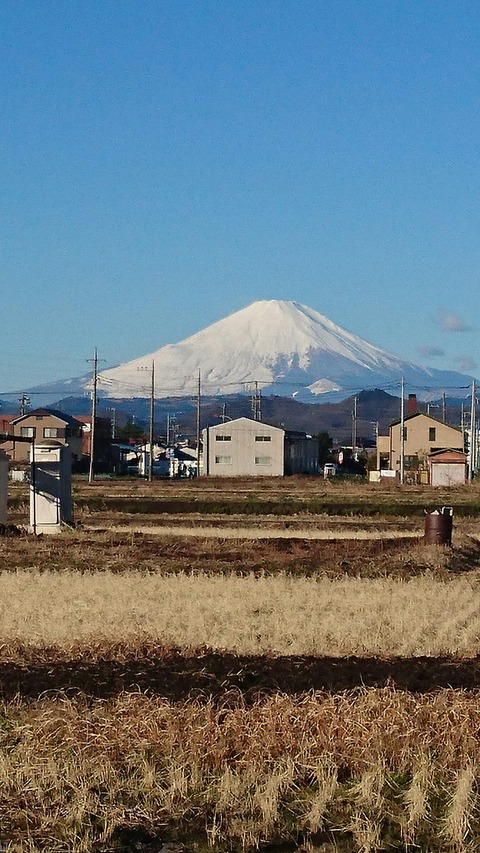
249 615
381 767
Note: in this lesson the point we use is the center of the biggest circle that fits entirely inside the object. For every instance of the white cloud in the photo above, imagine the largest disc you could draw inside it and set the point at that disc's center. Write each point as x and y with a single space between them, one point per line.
428 351
449 321
466 363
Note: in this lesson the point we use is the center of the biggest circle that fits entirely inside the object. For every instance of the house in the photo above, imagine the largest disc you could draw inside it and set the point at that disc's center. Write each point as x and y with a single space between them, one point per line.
383 452
423 434
447 467
301 453
181 462
103 434
41 425
247 447
107 455
243 447
143 456
5 423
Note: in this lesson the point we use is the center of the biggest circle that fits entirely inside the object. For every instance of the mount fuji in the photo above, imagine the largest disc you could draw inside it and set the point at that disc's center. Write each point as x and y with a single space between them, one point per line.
283 348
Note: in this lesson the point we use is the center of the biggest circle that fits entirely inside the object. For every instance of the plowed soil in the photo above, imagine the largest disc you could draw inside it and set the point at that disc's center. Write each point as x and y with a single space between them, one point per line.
116 552
105 671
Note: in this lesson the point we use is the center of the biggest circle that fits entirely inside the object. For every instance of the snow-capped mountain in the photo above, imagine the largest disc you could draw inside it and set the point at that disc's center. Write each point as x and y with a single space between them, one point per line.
284 347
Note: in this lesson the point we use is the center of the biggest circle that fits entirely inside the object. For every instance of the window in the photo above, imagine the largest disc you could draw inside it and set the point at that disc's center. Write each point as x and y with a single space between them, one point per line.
263 460
432 434
263 438
223 460
223 438
27 432
50 432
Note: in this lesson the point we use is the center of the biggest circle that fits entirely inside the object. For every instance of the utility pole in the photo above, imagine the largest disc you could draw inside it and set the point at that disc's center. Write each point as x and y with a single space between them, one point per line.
151 421
354 426
444 408
472 460
94 414
199 390
402 432
152 409
24 402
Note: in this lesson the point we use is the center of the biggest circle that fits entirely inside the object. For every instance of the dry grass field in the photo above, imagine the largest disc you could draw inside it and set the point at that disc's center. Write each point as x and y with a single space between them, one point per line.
242 664
279 615
373 770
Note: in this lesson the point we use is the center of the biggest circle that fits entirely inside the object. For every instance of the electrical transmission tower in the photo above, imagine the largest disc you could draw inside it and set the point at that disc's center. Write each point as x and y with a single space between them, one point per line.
256 403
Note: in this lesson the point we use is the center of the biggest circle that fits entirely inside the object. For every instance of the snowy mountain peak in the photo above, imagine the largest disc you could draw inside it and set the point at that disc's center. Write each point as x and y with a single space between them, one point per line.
276 326
285 347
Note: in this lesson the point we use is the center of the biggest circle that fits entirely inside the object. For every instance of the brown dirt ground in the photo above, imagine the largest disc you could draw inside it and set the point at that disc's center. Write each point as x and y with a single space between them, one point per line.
121 551
118 552
106 670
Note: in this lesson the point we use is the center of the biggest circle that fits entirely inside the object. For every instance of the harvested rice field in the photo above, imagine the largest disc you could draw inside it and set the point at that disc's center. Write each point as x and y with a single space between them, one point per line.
234 666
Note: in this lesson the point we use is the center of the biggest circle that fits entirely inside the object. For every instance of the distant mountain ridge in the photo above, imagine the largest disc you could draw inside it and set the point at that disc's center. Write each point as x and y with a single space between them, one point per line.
375 411
282 347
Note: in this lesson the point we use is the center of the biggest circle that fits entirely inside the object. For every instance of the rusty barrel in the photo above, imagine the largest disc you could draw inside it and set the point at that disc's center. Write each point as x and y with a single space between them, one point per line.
438 526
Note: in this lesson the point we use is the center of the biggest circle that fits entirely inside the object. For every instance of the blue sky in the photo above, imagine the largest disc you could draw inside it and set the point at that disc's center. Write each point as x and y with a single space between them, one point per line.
166 163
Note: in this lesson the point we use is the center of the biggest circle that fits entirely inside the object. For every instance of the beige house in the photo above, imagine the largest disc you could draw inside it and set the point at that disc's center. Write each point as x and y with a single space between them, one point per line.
243 447
44 425
383 452
422 435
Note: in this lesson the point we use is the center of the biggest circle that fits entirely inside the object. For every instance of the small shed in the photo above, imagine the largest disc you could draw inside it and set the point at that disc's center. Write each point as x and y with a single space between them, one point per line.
447 467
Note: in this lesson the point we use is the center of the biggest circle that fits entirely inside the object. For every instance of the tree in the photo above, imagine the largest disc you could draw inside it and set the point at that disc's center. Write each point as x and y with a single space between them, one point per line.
130 430
325 443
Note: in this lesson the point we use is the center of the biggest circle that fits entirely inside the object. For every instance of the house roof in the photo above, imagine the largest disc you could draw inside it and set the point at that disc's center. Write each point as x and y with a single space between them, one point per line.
182 456
424 415
87 419
293 434
447 454
259 424
67 419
